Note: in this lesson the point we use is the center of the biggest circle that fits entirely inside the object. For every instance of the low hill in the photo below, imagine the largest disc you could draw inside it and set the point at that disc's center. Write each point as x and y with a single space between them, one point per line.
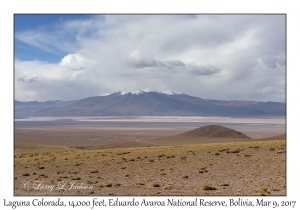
28 147
279 137
201 135
214 131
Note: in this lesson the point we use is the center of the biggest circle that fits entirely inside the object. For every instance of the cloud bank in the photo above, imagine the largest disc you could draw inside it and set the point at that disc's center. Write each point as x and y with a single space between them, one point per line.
223 57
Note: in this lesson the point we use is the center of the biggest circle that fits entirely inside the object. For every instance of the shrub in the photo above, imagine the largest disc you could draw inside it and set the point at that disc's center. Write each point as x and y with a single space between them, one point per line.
264 191
156 185
207 187
185 176
117 185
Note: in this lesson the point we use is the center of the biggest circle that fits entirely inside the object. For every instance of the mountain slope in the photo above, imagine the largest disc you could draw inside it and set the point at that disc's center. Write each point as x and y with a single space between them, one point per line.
149 103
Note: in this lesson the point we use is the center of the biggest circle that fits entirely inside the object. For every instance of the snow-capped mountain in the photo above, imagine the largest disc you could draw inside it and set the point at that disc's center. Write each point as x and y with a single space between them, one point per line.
147 90
149 103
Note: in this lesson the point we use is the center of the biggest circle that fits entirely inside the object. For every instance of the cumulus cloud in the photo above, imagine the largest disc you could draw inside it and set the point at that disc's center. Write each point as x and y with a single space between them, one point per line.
209 56
28 78
75 62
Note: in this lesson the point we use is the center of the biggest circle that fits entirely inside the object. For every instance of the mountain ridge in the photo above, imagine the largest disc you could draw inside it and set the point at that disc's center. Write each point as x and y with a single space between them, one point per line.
149 103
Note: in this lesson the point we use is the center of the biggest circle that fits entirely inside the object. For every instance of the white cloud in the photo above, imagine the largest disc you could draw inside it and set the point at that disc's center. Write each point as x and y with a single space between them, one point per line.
222 57
28 78
75 62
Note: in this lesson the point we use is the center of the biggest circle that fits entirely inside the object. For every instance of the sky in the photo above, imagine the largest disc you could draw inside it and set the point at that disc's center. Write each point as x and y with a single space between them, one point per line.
224 57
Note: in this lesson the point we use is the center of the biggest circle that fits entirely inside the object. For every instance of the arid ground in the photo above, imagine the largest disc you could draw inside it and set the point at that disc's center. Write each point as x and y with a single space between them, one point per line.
149 160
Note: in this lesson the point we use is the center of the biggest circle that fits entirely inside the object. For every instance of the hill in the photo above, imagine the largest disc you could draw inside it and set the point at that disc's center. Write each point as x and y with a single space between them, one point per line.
201 135
279 137
28 147
214 131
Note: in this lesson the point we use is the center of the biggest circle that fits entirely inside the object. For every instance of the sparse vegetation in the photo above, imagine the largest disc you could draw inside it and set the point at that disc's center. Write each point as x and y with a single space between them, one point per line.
109 184
185 176
117 184
156 185
166 169
264 191
207 187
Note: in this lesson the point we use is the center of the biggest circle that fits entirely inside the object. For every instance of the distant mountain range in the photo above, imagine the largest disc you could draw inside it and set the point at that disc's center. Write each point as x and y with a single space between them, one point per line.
149 103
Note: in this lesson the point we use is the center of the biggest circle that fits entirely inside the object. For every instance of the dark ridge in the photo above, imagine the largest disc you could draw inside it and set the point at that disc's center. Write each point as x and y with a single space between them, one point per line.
214 131
279 137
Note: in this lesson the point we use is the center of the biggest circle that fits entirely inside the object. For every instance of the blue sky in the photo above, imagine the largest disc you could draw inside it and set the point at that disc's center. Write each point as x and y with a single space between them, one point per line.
226 57
36 22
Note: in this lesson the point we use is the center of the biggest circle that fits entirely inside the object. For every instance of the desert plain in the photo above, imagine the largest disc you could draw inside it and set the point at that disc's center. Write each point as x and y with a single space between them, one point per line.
180 157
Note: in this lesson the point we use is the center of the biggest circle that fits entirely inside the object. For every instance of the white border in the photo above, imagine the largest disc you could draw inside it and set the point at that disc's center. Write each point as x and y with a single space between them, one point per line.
8 8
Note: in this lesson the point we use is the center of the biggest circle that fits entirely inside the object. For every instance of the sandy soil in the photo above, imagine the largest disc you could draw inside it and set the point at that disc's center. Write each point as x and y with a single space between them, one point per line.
115 137
91 137
241 168
87 160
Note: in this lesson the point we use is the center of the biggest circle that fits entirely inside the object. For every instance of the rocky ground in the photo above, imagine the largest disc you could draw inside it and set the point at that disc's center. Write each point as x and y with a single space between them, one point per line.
236 168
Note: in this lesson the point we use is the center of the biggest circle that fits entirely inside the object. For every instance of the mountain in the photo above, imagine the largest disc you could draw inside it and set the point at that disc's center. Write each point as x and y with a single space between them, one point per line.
149 103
